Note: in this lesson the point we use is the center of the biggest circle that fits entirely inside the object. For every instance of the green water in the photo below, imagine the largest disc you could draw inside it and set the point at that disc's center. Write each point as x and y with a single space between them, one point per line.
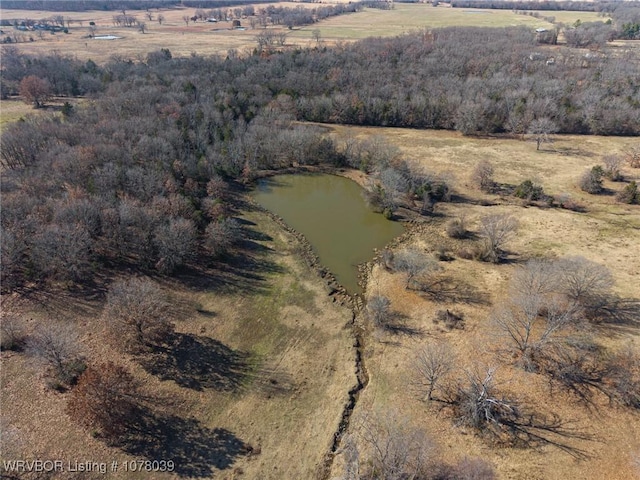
334 217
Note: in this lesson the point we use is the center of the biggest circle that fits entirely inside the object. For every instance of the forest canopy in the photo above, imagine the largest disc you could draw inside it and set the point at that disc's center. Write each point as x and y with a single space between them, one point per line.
139 174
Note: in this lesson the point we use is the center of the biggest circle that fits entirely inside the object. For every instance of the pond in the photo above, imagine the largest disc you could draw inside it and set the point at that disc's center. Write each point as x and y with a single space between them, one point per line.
332 214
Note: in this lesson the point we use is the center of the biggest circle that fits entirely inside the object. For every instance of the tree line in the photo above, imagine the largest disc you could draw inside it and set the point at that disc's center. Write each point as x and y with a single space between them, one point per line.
140 175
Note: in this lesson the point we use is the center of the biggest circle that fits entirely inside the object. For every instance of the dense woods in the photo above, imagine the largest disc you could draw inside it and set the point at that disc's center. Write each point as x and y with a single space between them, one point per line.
140 175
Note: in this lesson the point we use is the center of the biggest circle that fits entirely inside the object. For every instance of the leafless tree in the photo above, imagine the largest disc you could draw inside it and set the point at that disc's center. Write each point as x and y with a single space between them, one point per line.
541 129
473 469
433 363
397 450
176 243
536 277
221 236
142 27
56 346
136 312
496 230
612 165
378 310
12 331
530 322
632 156
414 263
35 90
584 281
316 34
160 18
479 405
186 19
482 176
149 16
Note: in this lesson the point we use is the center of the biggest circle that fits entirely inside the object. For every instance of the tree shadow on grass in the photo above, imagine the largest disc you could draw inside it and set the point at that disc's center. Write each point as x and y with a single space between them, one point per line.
198 363
447 289
396 324
196 451
617 316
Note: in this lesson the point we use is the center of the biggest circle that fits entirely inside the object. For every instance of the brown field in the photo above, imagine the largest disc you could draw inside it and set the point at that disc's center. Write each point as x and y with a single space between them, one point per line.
218 38
606 233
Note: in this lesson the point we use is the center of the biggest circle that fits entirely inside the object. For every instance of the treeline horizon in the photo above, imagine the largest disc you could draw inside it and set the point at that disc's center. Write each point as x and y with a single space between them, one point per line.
115 5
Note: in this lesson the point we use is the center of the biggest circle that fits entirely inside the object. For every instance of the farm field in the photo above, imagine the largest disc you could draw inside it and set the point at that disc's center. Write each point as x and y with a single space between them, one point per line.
217 39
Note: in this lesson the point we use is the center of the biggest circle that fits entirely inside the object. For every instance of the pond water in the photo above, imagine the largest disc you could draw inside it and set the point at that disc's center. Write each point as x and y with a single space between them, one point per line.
332 214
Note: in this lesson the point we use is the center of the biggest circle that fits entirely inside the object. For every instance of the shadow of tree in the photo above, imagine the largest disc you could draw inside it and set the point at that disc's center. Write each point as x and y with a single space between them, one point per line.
396 324
197 451
197 363
447 289
616 316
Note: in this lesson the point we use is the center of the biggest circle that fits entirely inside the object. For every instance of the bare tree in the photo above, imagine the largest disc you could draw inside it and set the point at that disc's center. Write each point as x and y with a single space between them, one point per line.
175 242
496 230
136 312
221 236
414 263
142 27
541 129
482 176
632 155
160 18
378 310
56 346
612 165
584 281
12 332
316 35
479 405
433 364
397 449
186 19
149 16
536 277
531 322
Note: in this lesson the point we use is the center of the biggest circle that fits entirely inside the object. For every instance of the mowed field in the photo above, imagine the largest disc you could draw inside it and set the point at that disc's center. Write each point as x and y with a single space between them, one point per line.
218 38
607 233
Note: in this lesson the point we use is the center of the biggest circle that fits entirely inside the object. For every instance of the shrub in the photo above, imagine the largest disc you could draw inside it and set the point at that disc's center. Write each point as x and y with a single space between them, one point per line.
456 228
12 335
612 164
451 320
629 194
529 191
482 176
591 181
56 347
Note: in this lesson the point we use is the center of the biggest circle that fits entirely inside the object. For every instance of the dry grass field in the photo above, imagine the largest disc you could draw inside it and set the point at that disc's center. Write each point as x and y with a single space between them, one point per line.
606 233
218 38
